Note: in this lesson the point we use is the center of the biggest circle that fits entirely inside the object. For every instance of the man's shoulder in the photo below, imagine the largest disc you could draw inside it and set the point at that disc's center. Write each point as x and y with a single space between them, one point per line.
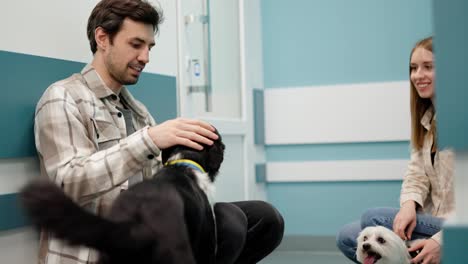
72 79
72 85
75 81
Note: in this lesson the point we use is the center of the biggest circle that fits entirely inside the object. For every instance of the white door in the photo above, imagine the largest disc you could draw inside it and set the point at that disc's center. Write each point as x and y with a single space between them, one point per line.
211 85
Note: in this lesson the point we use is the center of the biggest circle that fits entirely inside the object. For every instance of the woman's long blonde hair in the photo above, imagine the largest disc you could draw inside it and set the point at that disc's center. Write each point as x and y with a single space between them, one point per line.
419 105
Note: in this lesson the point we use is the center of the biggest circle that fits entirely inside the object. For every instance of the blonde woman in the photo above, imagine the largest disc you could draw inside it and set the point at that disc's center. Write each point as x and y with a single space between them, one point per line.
427 195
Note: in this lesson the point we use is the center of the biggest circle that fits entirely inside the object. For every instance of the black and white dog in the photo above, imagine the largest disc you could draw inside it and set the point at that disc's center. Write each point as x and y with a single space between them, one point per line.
167 220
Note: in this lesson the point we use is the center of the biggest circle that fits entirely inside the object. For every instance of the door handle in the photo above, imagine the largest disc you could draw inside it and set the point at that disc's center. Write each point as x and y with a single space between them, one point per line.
200 68
192 18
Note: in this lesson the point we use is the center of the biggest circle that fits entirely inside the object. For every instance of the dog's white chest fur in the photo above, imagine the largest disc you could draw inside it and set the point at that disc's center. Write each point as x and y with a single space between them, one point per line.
379 245
204 182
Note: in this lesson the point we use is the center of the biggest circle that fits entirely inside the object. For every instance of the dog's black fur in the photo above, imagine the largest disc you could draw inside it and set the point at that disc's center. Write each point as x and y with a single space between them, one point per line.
166 220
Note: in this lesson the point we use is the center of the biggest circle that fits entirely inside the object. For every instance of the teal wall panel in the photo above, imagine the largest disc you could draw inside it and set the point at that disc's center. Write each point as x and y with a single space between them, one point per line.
451 55
260 173
259 116
455 244
24 79
340 41
159 94
322 208
11 215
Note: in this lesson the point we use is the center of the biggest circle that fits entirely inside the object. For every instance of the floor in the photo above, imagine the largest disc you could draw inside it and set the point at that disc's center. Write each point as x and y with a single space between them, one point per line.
305 257
307 250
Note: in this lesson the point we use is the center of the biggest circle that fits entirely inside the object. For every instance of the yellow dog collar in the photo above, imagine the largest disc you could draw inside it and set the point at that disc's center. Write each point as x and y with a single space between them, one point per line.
186 162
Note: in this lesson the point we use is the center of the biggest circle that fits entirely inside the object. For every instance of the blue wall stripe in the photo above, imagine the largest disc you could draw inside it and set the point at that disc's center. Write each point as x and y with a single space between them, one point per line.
11 216
454 245
342 151
259 116
340 41
323 208
260 173
451 56
158 93
24 79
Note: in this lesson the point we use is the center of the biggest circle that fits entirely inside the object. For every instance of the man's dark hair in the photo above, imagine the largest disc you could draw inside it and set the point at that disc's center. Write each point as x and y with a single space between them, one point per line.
110 14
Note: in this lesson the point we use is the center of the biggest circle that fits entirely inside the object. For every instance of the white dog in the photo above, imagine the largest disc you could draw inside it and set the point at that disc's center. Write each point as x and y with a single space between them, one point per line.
377 244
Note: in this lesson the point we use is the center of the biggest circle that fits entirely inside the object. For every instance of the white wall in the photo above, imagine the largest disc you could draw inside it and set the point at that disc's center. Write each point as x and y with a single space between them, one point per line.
368 112
57 29
18 246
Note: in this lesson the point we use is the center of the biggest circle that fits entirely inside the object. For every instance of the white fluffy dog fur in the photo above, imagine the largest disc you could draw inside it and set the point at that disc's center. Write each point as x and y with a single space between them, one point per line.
377 244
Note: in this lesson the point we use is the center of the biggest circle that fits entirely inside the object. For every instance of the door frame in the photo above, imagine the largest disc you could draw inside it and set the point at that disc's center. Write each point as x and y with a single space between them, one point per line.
243 126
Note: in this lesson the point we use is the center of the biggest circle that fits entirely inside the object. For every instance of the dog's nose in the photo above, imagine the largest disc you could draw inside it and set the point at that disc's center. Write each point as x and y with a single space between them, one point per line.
366 246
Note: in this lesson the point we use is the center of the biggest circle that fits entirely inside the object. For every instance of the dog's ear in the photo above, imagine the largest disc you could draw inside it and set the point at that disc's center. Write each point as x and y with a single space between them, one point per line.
214 157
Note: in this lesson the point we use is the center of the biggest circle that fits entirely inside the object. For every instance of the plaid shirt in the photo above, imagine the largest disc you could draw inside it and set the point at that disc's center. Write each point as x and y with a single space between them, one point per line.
431 186
83 147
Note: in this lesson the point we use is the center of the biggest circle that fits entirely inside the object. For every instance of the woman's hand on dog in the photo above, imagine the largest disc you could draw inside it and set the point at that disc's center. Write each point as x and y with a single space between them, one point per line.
182 131
430 252
405 220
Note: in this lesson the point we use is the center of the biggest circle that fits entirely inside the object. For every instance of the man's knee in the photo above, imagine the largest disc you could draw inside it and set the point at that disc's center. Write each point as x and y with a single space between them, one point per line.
265 222
231 224
272 219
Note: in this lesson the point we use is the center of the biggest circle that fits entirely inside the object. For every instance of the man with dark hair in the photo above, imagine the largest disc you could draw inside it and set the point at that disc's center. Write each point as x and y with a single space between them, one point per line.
94 139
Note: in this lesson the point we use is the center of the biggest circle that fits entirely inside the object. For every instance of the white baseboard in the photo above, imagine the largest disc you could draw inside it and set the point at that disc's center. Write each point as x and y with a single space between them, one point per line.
15 173
19 246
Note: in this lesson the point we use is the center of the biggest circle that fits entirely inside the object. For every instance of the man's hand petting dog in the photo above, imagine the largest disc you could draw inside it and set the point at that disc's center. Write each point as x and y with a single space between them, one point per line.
182 131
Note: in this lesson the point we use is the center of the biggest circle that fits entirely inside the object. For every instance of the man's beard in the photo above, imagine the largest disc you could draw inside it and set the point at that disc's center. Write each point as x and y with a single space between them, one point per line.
120 75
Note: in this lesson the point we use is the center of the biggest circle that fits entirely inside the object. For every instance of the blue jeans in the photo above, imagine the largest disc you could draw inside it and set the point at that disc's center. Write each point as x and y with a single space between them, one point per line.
426 226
